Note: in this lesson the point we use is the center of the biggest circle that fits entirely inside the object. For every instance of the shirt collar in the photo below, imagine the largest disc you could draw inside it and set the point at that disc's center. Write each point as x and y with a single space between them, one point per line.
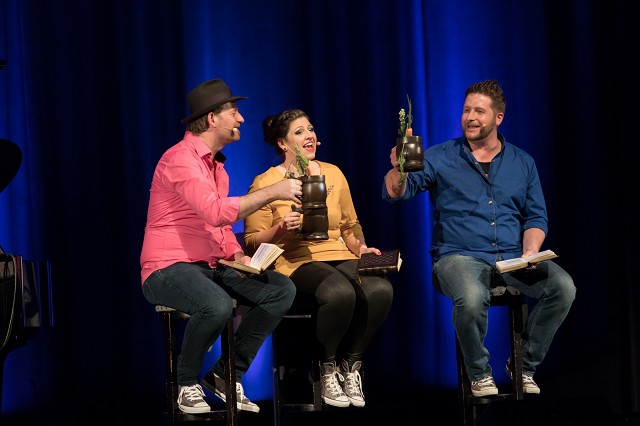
202 149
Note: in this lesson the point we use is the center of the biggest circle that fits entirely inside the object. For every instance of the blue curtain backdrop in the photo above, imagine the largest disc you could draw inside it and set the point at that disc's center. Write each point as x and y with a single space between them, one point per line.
93 92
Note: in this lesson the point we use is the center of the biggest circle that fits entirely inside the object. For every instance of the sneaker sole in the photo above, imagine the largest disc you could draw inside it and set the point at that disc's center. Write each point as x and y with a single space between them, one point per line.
356 402
533 391
490 392
223 397
245 407
335 403
192 410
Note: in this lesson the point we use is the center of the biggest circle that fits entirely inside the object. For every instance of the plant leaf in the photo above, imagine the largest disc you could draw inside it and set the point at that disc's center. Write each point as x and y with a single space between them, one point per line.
302 162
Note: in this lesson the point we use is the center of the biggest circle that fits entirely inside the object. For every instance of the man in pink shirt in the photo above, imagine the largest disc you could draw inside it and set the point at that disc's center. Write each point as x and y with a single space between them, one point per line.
189 228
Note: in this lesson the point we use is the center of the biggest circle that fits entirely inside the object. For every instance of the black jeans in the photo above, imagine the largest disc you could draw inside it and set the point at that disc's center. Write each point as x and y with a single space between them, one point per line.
349 311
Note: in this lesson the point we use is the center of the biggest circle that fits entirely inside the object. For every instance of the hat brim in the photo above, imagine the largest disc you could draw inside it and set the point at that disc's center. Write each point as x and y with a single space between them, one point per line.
210 108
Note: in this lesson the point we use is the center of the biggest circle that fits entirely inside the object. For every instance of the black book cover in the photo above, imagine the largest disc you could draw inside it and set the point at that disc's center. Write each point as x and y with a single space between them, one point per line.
388 261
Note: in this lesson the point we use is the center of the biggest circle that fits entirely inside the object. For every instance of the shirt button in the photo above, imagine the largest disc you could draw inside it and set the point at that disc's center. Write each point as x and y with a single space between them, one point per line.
493 244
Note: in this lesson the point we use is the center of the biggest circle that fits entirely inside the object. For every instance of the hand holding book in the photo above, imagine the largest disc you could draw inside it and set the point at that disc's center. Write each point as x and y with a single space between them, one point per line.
260 261
387 261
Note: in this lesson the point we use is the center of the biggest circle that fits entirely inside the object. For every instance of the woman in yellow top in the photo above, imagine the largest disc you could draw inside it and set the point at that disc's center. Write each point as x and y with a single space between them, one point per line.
350 309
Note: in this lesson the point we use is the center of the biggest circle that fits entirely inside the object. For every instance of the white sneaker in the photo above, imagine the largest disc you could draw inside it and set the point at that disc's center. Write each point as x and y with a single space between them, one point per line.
484 387
528 385
215 384
330 389
352 383
243 402
191 400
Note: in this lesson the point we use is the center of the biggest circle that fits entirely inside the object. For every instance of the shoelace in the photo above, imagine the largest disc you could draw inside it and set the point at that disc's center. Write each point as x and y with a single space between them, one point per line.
193 392
332 383
484 381
354 383
526 378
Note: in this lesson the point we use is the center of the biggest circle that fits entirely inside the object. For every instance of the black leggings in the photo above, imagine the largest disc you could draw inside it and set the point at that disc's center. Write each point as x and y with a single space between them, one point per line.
349 313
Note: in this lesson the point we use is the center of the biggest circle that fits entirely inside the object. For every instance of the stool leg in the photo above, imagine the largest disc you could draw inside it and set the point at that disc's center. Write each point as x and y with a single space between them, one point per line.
466 407
516 314
277 414
282 370
172 386
227 344
317 391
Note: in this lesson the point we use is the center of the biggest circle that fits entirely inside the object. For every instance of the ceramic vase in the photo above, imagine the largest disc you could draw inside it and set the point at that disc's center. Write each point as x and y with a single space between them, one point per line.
413 152
315 219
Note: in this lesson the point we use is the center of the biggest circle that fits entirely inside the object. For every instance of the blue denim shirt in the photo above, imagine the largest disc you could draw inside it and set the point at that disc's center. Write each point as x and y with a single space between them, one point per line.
475 215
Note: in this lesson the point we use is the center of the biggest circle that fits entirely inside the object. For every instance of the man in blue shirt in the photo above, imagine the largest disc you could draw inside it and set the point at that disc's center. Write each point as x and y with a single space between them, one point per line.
488 206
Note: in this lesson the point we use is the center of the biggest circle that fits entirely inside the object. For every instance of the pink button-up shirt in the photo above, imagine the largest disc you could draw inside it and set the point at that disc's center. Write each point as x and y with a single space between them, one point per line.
190 214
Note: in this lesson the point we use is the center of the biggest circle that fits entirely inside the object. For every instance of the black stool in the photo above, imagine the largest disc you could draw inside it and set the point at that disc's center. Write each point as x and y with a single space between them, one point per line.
169 316
518 312
293 345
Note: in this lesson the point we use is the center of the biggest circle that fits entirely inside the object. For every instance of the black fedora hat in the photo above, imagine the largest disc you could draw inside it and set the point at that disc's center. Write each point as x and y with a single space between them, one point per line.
208 96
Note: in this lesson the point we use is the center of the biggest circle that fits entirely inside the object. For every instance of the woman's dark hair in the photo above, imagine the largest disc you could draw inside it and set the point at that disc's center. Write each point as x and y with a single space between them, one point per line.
276 126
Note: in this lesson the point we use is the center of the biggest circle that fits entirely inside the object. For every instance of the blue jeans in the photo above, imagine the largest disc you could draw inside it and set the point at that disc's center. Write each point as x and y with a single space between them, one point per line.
206 295
467 281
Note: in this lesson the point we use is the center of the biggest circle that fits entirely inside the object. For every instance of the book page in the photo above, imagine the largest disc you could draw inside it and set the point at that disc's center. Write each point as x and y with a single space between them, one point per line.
511 263
523 262
265 255
539 257
239 266
258 257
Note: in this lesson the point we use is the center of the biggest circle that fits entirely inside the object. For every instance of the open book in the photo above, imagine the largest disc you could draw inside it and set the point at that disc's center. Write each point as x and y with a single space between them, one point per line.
523 262
261 260
388 261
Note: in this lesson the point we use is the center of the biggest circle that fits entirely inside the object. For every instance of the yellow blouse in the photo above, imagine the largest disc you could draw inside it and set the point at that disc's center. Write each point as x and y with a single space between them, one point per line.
343 221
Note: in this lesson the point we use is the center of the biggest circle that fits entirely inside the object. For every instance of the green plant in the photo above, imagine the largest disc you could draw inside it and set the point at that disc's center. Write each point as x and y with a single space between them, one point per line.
405 121
404 129
302 164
